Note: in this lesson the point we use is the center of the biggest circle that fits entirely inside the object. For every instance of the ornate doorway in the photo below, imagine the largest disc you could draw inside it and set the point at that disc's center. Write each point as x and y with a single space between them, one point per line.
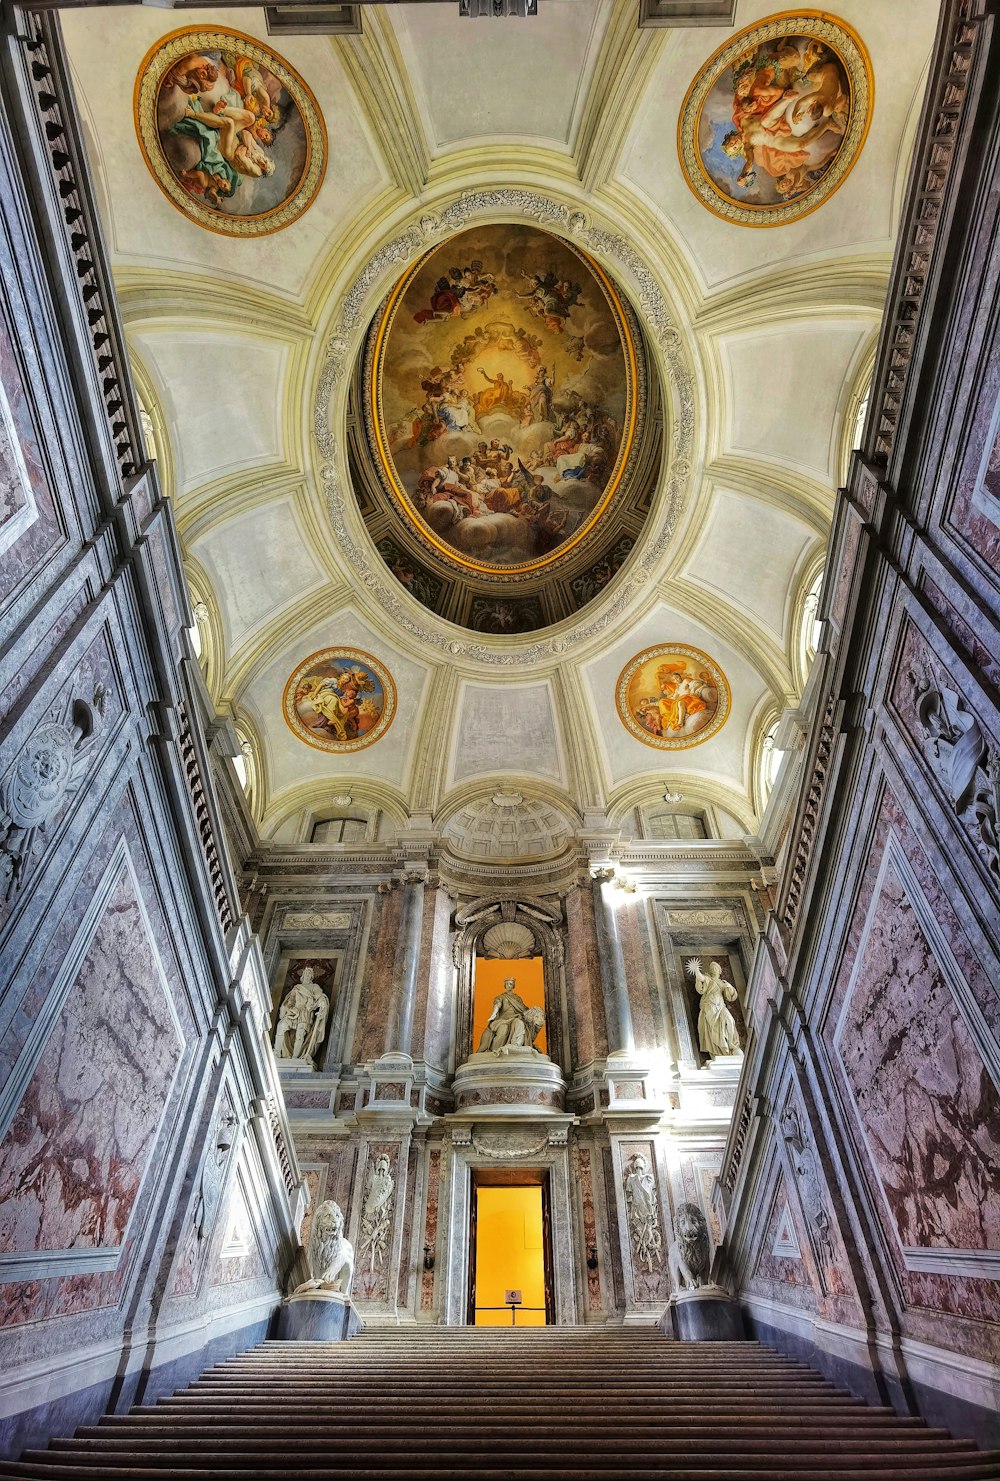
510 1248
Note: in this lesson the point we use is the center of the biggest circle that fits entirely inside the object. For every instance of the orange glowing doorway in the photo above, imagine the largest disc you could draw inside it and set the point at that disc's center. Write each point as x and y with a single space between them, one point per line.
510 1248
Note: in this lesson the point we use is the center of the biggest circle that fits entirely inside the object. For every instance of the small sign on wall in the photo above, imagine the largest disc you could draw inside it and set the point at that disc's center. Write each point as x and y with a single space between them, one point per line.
512 1298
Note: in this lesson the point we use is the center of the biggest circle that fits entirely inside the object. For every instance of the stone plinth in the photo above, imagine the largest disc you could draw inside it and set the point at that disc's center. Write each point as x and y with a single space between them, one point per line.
318 1316
509 1083
708 1314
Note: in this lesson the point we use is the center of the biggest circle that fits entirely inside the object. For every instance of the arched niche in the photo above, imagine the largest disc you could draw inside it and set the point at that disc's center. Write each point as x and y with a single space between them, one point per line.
472 923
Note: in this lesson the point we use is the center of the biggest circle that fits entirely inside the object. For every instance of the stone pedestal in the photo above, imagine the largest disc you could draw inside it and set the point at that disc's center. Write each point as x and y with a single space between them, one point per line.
708 1314
509 1083
318 1316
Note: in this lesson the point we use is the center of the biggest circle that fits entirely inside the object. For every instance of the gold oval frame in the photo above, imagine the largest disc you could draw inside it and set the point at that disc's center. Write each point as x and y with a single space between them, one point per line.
388 466
332 655
673 650
154 65
833 32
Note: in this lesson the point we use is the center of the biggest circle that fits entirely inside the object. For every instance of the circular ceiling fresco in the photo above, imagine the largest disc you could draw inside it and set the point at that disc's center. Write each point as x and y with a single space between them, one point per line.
501 398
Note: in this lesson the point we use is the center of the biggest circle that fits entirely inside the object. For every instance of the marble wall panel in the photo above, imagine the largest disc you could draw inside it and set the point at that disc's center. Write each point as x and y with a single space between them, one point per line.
29 523
891 995
592 1277
73 1158
926 1102
954 733
431 1225
782 1269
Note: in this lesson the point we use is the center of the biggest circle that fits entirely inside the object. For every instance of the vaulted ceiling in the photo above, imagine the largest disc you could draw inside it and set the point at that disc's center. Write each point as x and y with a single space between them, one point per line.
243 350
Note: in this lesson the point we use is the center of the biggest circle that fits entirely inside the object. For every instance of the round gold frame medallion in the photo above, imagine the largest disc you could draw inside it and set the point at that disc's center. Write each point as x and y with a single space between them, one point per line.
230 132
339 700
775 120
672 696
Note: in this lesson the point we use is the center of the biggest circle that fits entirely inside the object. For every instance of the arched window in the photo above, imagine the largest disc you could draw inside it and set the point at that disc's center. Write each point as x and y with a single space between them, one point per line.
670 822
350 829
810 627
768 761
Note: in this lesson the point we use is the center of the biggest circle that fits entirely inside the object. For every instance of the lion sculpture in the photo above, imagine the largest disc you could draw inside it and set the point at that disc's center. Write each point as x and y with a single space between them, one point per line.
331 1256
690 1256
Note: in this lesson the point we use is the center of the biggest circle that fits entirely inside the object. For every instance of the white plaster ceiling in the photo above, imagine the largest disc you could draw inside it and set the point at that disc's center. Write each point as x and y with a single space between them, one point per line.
776 325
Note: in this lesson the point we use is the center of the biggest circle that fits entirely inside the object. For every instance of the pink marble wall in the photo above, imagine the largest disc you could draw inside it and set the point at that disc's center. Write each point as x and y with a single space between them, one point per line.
636 949
593 1277
74 1156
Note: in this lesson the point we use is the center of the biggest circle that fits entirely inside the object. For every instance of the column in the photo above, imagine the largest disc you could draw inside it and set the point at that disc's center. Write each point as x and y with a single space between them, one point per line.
399 1028
617 1009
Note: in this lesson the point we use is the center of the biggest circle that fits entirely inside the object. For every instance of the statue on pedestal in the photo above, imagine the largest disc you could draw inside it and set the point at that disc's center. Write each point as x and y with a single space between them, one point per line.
690 1255
512 1024
331 1256
302 1020
717 1032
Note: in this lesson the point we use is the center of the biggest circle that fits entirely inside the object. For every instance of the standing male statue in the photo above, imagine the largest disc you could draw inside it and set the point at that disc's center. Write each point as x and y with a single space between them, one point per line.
302 1020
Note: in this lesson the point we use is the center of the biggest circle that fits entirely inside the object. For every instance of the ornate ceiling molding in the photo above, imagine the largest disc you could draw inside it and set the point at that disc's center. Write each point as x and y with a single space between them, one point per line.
632 273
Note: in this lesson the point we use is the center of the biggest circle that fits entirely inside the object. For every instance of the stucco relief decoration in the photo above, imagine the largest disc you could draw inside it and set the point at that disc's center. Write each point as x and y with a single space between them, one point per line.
376 1215
48 770
672 697
775 120
643 1213
808 1180
926 1101
340 699
502 397
963 756
230 132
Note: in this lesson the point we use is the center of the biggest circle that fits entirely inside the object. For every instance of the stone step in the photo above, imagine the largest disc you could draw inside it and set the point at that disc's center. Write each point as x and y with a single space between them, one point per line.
590 1410
704 1470
118 1451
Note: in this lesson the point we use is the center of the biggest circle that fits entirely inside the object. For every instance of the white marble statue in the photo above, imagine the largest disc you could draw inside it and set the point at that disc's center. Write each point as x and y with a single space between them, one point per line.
690 1256
717 1032
512 1024
331 1257
302 1020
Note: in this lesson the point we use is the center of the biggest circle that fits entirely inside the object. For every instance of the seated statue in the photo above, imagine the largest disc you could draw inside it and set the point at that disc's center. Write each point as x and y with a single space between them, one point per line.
331 1256
690 1256
512 1024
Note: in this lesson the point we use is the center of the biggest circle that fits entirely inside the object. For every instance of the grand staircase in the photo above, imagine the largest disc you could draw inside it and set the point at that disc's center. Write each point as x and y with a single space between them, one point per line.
450 1403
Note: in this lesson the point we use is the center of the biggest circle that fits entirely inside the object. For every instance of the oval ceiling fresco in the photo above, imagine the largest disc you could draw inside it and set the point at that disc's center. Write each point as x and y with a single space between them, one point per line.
775 120
502 397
